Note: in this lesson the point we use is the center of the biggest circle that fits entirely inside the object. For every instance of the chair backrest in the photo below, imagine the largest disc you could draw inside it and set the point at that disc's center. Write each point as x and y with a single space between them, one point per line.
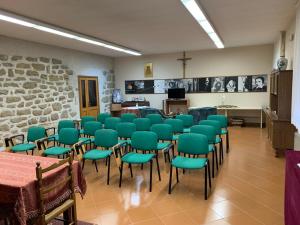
177 125
128 117
191 143
208 131
142 124
102 116
68 136
164 131
214 123
65 124
144 140
111 122
91 127
85 119
125 130
155 118
187 120
34 133
106 138
221 118
45 188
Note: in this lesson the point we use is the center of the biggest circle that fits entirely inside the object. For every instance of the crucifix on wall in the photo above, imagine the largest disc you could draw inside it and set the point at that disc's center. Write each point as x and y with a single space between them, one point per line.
184 59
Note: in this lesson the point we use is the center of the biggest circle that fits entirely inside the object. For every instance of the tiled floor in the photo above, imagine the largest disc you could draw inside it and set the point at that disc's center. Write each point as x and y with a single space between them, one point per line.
247 191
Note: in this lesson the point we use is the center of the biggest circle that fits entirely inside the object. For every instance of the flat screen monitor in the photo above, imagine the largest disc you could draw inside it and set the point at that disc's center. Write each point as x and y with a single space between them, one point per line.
176 93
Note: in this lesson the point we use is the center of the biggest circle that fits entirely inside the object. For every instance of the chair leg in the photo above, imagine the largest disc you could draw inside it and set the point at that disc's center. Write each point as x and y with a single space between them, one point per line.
32 151
205 183
213 164
227 142
216 155
173 151
83 161
121 171
108 170
95 162
170 180
130 167
157 166
177 177
150 176
209 177
222 149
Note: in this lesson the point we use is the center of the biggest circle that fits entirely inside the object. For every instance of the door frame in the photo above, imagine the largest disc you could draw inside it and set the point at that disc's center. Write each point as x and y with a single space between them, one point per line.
86 93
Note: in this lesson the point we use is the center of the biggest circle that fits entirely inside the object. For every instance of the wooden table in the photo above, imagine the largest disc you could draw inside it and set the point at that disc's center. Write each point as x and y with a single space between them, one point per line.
18 184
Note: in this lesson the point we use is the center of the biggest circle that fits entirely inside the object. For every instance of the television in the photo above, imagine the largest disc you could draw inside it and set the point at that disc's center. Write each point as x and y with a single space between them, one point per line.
176 93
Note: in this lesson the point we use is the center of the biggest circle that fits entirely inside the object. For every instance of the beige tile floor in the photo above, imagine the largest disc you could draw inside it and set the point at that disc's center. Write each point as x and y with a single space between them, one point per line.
248 190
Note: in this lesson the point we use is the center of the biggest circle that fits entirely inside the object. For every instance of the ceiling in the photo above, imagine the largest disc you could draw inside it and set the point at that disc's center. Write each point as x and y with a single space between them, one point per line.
151 26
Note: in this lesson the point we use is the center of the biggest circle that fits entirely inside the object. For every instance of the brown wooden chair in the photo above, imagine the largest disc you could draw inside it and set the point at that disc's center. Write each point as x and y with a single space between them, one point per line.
68 207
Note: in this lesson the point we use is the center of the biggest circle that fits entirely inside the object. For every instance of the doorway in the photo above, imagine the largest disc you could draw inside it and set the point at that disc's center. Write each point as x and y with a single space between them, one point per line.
88 96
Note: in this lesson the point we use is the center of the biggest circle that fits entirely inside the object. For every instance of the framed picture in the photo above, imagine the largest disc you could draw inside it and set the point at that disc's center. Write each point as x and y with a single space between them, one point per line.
231 84
259 83
244 83
218 84
148 70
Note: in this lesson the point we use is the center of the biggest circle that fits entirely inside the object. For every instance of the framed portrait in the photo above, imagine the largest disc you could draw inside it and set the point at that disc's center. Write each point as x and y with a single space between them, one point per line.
148 70
259 83
231 84
218 84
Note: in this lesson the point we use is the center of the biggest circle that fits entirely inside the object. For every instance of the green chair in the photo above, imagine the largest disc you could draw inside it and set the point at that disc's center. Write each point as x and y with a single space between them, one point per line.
67 137
89 130
107 141
187 120
155 118
102 116
33 135
125 131
111 122
85 119
142 124
164 134
177 126
210 133
224 124
218 130
128 117
191 144
145 141
61 124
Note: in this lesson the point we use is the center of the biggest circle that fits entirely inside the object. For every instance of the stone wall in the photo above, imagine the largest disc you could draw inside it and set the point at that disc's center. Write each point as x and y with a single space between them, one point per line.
107 89
34 91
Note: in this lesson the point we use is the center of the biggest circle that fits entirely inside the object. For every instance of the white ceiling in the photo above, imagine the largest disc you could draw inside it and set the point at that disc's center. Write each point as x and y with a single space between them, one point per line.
151 26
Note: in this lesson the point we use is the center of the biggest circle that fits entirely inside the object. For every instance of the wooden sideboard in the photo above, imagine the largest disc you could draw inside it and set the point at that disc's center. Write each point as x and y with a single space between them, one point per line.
278 116
176 106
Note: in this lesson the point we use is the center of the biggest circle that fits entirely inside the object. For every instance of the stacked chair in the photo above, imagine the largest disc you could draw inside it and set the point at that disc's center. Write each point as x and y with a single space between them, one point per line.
34 134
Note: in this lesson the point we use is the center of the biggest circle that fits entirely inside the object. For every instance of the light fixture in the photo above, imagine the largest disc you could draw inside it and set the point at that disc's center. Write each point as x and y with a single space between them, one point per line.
194 8
12 18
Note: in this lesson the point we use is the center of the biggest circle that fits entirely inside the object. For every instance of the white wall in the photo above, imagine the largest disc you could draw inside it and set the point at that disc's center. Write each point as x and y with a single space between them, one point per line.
81 63
228 61
289 46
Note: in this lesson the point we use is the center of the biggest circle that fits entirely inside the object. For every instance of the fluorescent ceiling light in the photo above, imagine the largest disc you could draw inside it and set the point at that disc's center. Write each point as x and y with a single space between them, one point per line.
8 17
193 7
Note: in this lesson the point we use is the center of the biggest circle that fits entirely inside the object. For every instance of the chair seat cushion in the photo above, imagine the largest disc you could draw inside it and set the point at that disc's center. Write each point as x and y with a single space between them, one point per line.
95 154
189 163
123 142
56 150
86 140
186 130
163 145
137 158
224 131
23 147
211 148
218 140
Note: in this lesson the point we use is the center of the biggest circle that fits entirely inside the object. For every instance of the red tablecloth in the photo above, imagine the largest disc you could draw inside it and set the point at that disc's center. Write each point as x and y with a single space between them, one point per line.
18 183
292 188
136 111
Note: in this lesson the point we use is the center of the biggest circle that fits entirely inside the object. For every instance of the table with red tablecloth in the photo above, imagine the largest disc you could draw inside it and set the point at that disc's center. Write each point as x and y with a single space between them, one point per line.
292 188
18 184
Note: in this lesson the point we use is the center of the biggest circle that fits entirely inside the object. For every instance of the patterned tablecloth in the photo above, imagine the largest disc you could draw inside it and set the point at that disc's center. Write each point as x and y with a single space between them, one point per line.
18 184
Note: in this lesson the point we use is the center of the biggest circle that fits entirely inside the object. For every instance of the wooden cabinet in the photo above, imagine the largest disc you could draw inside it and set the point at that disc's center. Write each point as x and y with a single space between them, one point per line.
278 116
176 106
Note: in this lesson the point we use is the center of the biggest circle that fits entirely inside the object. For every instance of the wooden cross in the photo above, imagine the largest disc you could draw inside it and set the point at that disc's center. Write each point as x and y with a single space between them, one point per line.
184 59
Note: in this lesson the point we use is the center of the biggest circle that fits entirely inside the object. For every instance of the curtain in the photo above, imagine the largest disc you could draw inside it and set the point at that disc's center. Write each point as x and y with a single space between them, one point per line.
296 75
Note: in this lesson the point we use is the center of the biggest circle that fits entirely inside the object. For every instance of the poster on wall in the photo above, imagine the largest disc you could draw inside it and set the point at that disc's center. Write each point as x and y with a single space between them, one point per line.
259 83
218 84
229 84
244 83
